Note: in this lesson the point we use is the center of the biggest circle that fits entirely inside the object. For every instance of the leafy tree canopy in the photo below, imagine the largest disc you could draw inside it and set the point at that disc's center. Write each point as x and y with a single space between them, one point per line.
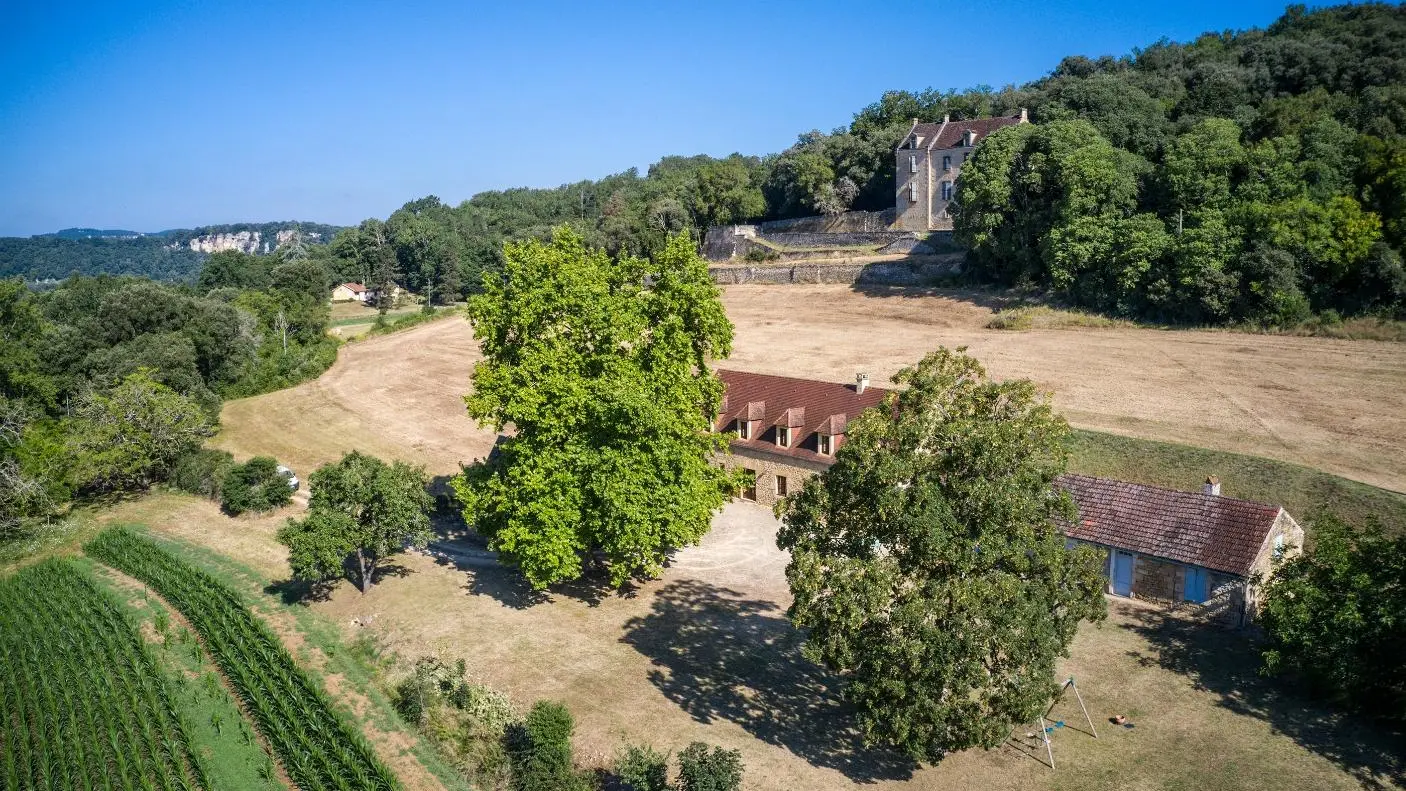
361 511
600 365
1336 618
926 565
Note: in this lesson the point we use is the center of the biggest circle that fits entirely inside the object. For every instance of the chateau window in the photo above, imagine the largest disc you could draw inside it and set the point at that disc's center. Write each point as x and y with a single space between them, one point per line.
946 162
781 486
783 436
1279 546
913 190
947 190
744 429
824 444
913 163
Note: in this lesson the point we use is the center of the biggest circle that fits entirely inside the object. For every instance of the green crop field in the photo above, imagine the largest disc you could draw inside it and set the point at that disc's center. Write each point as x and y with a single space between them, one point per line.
82 703
317 748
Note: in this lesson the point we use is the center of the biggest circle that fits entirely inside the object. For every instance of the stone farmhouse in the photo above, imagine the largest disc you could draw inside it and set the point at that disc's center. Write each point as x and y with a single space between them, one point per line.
1165 546
350 292
928 162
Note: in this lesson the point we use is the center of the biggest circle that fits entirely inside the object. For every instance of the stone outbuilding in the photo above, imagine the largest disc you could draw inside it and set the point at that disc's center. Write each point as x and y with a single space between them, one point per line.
1175 548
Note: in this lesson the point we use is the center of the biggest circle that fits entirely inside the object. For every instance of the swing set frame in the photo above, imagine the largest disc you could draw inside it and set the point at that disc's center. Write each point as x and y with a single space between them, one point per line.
1044 731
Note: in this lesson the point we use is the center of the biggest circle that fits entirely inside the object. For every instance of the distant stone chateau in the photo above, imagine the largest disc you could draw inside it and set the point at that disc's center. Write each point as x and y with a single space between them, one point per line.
928 162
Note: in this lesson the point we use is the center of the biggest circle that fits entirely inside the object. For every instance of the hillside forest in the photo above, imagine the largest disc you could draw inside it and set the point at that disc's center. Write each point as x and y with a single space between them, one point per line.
107 384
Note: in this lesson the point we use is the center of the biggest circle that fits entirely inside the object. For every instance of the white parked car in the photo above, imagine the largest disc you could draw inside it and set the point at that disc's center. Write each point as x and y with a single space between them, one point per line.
292 479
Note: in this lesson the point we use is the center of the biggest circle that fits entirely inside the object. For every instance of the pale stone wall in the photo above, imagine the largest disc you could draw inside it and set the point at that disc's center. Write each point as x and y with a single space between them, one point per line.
913 215
940 219
1163 582
1293 537
767 467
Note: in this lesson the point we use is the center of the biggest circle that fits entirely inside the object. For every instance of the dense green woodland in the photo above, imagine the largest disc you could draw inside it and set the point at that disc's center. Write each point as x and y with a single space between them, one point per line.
165 255
108 383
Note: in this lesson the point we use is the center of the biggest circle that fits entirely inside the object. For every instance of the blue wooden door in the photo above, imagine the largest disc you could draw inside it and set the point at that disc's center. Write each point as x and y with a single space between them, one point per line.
1122 573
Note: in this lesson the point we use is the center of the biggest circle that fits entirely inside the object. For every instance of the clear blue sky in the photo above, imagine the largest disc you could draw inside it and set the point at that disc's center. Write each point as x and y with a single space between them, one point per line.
163 114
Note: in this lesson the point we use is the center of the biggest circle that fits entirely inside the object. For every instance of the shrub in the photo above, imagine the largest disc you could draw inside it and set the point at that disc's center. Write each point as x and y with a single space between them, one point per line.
643 769
702 769
202 472
758 255
254 485
539 750
466 721
1334 616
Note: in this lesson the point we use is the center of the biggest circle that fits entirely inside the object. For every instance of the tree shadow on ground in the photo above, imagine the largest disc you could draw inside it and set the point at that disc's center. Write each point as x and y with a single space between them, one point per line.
991 299
1227 663
720 656
296 591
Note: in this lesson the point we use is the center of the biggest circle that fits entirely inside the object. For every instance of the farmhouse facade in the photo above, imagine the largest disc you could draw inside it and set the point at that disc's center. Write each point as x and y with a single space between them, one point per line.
928 162
1160 545
349 292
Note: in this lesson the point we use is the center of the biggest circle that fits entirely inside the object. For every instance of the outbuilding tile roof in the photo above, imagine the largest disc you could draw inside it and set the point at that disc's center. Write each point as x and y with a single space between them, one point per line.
804 404
1219 533
356 287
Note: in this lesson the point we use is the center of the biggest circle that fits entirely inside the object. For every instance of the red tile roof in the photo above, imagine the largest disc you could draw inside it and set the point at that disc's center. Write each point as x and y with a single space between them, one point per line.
1220 533
805 404
937 135
356 287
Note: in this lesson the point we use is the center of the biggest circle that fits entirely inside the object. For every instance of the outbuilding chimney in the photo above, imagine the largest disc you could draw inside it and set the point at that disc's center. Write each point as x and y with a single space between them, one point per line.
1024 116
861 381
1212 486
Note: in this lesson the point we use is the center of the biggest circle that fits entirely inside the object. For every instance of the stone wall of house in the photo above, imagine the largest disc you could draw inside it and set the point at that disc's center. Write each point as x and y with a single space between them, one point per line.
912 213
767 467
1158 581
1163 582
1292 534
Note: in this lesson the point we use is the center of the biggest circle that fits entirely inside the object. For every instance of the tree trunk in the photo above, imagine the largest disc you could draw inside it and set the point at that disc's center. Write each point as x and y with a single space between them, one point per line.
365 565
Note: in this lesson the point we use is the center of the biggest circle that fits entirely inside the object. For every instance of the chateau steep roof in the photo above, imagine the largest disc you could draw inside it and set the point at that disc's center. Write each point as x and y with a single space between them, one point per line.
1220 533
948 134
805 404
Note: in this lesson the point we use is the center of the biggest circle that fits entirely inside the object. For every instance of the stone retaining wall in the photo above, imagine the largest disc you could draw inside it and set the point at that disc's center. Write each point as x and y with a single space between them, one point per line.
916 271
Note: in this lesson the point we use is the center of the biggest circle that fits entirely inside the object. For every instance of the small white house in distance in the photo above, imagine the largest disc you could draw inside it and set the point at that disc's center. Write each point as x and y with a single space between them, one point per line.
350 292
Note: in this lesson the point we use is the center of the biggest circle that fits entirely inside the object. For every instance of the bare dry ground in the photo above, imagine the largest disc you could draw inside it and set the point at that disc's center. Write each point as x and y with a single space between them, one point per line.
1336 405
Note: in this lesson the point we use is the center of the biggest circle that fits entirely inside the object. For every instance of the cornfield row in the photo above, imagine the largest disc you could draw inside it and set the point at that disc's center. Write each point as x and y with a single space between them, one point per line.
317 749
82 704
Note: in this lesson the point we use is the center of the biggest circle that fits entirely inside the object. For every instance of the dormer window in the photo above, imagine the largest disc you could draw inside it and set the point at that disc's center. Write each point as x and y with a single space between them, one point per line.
969 138
917 141
783 436
744 429
824 444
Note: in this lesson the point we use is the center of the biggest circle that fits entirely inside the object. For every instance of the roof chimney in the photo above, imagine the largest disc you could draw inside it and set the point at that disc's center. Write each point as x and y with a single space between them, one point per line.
861 381
1212 486
1024 116
946 117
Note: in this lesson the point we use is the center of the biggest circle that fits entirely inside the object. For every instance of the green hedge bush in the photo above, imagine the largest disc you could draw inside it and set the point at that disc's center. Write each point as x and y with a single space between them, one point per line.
254 485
